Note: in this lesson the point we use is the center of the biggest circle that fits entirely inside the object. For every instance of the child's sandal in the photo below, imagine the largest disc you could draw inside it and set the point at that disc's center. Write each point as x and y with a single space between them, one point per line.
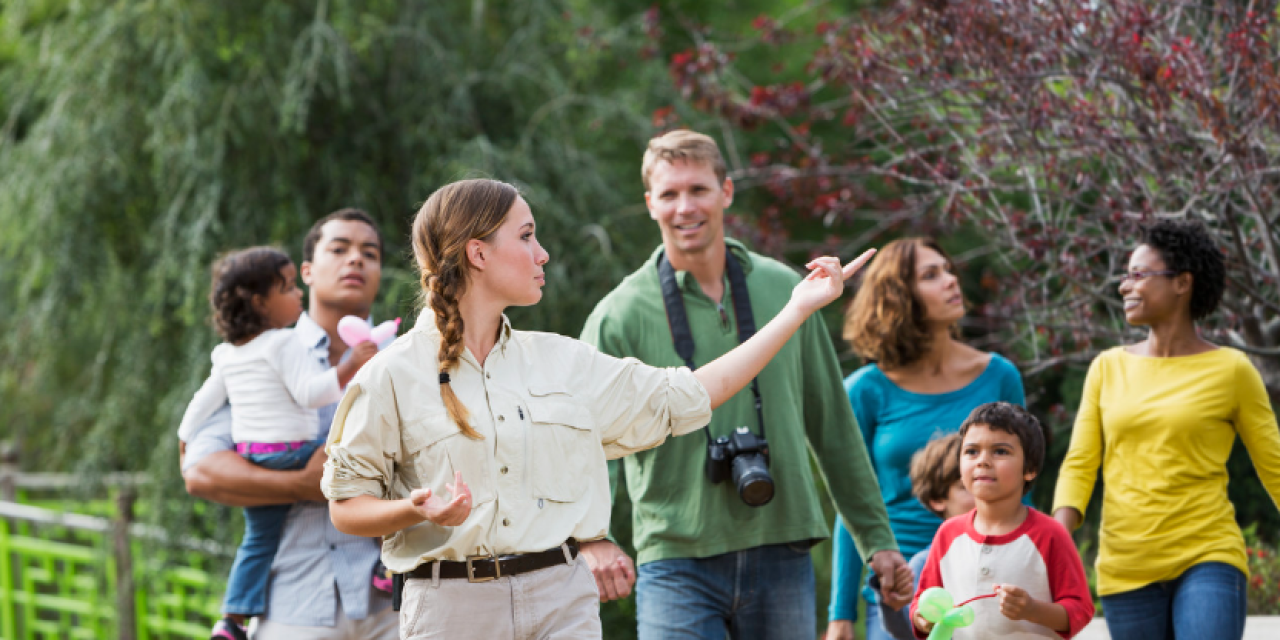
228 629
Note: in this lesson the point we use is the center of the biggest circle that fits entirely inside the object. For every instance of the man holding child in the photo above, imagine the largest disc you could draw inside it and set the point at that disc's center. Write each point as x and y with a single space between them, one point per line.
320 582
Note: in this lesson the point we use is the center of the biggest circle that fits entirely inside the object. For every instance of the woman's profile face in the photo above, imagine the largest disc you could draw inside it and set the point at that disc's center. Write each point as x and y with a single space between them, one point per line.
1149 290
511 267
937 289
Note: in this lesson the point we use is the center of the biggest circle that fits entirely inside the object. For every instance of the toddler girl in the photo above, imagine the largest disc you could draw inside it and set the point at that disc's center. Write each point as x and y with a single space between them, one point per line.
274 386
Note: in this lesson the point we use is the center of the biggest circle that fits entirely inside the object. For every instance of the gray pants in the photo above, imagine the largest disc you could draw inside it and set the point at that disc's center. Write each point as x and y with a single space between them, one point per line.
380 625
558 602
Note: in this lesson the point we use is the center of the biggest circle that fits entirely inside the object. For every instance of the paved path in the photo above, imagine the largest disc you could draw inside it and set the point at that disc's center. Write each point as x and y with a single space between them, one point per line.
1255 628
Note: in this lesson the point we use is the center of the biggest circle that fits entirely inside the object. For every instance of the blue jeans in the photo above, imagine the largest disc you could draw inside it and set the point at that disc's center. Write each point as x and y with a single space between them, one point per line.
879 625
879 628
1206 601
762 592
247 584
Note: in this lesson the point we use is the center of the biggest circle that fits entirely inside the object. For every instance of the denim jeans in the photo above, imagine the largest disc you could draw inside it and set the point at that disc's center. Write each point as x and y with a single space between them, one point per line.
762 592
881 628
883 623
1206 601
247 585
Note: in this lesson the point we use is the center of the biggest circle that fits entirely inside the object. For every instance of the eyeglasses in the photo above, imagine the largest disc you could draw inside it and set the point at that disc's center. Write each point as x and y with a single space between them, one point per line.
1138 276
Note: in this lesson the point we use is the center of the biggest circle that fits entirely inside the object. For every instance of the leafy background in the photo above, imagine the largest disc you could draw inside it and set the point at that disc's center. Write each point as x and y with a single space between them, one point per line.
139 140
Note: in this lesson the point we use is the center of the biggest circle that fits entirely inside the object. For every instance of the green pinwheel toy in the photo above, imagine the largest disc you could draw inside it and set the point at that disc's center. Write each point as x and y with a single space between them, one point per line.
938 607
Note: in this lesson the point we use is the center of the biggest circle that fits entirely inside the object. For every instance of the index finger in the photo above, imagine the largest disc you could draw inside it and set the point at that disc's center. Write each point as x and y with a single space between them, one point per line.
857 263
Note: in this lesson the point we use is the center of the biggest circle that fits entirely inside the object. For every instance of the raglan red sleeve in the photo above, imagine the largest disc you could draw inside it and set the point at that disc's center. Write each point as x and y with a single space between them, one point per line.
1067 581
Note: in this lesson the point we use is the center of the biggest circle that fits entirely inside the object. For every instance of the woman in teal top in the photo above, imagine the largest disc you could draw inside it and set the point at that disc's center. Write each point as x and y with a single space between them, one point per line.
923 384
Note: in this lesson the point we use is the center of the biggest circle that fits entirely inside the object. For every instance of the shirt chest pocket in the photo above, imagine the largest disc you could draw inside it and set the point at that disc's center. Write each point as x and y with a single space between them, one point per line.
436 449
563 447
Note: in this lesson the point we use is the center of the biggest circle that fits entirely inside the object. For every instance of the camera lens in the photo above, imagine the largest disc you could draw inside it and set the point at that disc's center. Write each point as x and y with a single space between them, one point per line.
751 475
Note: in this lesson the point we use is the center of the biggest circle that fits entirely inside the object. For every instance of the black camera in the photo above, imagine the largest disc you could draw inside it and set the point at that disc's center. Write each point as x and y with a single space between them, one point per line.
746 456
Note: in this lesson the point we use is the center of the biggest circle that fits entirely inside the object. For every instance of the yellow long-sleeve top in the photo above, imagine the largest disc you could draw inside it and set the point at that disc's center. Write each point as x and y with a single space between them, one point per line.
1162 428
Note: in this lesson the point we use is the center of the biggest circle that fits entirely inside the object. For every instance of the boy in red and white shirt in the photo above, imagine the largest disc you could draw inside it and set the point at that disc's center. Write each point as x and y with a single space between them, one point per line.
1025 557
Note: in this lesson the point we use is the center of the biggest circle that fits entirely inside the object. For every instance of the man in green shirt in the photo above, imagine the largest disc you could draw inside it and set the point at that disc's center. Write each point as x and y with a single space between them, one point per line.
710 563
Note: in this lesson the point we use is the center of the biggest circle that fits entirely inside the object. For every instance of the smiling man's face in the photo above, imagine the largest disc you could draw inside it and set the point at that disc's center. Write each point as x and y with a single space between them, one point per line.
346 268
688 203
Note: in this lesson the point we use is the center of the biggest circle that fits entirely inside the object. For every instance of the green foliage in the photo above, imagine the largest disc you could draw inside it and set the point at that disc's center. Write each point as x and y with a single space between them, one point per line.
1264 575
145 138
140 140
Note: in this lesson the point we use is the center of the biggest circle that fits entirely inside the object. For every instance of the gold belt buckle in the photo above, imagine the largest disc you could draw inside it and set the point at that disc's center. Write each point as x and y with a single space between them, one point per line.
471 571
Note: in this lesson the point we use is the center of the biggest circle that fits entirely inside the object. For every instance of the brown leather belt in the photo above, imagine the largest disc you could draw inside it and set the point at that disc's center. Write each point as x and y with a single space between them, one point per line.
486 568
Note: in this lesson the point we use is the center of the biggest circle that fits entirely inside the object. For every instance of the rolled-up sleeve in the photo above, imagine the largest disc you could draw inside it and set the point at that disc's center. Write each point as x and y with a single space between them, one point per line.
364 442
637 406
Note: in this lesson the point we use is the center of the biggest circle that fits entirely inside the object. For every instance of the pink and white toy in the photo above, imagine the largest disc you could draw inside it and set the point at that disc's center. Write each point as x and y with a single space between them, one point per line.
354 330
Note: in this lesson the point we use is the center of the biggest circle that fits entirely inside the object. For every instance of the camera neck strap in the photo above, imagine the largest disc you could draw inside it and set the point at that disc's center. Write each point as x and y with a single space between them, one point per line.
678 320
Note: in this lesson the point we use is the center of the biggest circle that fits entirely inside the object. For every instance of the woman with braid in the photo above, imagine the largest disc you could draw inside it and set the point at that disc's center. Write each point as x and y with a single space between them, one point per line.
479 450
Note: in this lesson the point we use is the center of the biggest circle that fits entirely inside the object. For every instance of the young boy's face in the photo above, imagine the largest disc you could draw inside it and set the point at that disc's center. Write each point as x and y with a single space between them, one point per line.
992 463
959 501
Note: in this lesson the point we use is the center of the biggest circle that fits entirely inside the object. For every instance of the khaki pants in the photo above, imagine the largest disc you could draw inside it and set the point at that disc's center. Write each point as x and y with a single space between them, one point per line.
559 602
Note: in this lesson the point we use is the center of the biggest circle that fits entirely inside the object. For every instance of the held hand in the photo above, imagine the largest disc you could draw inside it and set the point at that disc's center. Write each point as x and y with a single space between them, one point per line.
363 352
446 514
613 569
840 630
895 578
825 281
360 354
903 576
1014 601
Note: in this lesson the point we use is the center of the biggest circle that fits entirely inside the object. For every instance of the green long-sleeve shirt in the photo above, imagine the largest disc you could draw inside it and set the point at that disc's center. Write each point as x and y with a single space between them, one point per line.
676 512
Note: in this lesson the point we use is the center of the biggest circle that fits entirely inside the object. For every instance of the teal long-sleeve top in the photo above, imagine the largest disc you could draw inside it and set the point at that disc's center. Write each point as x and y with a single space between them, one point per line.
676 512
895 424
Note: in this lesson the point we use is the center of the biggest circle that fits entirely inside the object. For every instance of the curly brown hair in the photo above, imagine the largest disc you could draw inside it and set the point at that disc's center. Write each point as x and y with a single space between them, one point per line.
886 323
238 277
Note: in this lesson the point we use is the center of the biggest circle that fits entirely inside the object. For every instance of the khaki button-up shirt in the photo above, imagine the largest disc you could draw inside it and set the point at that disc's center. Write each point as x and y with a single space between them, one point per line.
551 410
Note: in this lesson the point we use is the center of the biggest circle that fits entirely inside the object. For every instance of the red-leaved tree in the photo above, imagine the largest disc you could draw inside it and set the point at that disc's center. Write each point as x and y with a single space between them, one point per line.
1054 126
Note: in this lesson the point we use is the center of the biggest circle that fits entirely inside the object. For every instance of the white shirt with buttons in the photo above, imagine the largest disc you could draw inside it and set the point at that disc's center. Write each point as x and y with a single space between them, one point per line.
551 410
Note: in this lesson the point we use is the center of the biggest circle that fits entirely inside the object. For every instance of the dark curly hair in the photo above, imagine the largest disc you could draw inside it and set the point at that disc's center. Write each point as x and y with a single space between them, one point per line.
238 277
1187 247
1011 418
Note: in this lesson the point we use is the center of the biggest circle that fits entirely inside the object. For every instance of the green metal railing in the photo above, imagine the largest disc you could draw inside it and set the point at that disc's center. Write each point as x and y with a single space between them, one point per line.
66 575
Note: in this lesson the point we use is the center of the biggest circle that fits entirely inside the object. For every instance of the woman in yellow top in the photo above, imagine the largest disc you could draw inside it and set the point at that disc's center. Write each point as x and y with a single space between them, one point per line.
515 425
1161 417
